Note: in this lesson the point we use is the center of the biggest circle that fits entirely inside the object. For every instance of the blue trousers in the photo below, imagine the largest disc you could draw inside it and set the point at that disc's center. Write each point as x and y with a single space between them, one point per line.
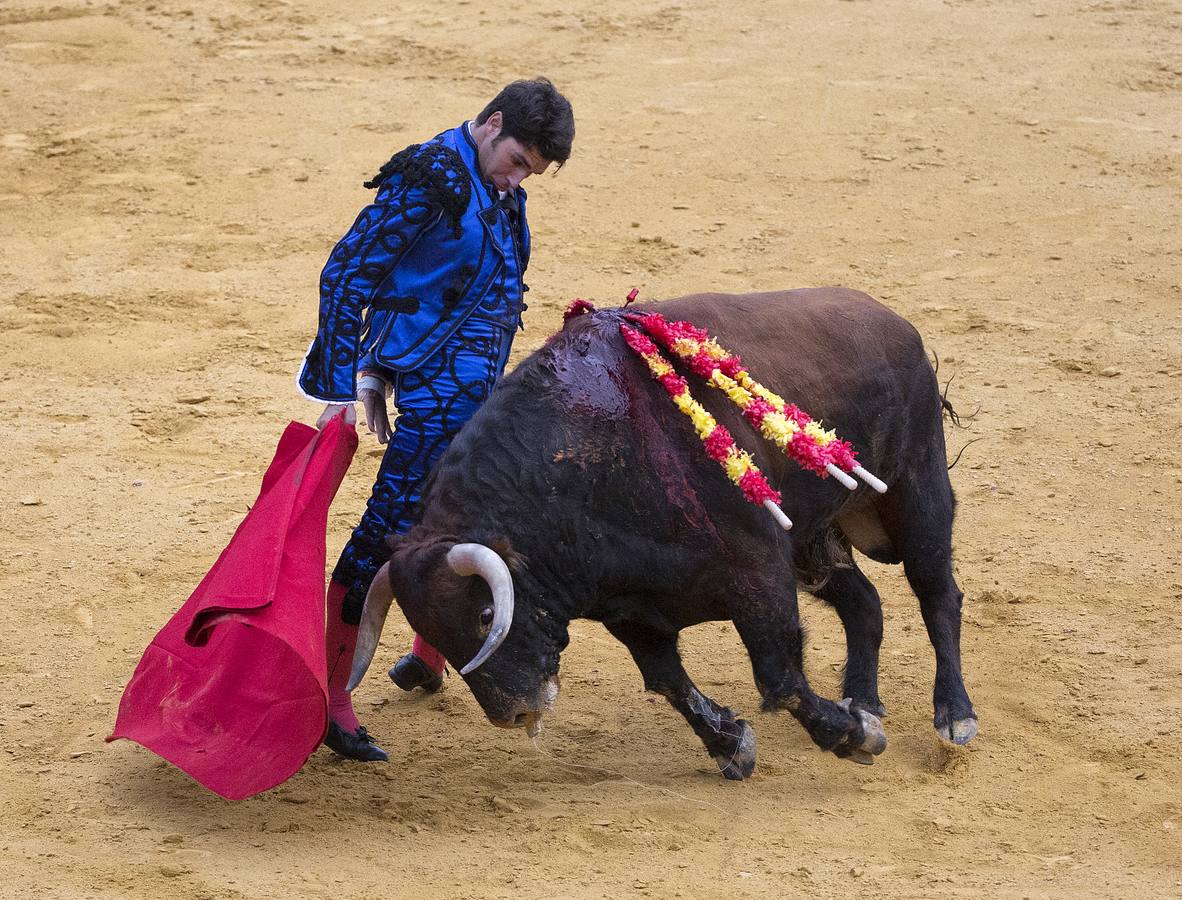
434 401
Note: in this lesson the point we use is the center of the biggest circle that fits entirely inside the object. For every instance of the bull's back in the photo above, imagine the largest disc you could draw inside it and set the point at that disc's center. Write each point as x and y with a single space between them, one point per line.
784 330
838 353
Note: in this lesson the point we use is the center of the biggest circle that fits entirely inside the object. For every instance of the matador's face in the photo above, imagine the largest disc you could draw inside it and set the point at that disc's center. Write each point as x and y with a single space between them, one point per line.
504 161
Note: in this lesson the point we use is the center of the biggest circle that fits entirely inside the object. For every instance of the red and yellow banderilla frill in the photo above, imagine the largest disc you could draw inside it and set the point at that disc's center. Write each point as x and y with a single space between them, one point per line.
790 428
719 444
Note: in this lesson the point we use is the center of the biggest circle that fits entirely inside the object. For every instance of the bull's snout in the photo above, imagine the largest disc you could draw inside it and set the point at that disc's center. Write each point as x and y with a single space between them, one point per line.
527 712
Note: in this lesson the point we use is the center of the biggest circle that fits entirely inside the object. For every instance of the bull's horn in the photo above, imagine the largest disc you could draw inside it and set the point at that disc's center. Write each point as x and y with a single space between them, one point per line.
373 617
477 559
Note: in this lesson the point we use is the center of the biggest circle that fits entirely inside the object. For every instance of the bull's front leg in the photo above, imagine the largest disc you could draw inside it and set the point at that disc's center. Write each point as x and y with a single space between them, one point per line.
769 625
858 606
729 739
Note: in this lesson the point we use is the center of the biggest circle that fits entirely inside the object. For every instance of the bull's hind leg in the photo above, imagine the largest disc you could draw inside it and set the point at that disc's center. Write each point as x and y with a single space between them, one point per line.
767 620
729 739
917 515
858 606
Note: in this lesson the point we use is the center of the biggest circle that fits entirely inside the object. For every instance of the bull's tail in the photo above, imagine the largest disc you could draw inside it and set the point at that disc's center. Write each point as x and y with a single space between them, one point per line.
947 409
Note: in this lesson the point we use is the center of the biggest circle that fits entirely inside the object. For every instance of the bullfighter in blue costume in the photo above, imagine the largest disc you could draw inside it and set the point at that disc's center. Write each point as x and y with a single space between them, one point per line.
420 300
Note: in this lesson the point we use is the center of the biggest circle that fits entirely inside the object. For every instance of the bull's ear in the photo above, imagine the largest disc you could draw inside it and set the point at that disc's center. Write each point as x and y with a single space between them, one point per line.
514 560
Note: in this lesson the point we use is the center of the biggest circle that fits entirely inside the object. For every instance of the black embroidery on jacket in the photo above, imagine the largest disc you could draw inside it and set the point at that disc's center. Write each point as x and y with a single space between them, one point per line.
438 170
407 305
459 285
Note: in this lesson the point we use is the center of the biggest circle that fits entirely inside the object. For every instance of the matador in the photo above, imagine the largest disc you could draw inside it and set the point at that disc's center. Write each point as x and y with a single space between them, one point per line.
419 302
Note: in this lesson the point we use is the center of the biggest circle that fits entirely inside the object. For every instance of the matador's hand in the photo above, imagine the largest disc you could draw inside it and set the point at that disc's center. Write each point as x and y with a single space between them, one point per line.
372 391
333 410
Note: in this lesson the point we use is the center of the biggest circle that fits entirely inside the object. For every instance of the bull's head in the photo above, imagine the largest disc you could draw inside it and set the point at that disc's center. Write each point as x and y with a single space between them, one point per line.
460 598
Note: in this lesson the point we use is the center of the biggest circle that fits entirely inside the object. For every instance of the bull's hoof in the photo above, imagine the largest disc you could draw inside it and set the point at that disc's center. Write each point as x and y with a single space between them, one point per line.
739 763
960 731
955 721
874 739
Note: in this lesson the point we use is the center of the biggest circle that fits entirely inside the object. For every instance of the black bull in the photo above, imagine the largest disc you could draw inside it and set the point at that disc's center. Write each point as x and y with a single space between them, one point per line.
594 491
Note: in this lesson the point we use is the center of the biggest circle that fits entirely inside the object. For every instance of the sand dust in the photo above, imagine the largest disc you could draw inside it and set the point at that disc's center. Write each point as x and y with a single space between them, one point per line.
1004 174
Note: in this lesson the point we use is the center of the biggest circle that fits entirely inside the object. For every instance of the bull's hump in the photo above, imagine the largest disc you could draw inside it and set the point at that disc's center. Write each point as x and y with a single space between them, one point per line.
591 384
585 363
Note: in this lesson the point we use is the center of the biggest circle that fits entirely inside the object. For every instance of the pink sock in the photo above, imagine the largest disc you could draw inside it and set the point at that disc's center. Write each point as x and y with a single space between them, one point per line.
429 655
340 640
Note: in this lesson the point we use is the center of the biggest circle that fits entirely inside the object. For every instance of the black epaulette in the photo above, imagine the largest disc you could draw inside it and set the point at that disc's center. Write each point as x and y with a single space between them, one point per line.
438 170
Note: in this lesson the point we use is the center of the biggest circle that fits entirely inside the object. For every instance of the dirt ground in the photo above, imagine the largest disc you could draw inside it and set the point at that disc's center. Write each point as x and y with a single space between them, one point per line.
1005 174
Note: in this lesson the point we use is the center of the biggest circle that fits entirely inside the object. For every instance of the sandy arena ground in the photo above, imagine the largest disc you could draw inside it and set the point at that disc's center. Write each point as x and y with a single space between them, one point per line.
1004 174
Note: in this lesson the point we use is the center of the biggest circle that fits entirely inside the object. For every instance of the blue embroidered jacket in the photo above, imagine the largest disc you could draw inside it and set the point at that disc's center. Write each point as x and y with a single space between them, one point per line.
416 263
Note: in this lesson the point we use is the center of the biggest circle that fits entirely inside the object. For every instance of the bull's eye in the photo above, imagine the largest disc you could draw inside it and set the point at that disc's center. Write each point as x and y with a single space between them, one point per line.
486 617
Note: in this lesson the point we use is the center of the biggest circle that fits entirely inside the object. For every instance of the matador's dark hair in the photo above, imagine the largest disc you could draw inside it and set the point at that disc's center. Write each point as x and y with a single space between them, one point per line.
535 113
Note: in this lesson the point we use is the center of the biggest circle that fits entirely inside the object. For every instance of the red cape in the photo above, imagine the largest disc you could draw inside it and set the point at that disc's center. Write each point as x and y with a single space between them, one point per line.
232 690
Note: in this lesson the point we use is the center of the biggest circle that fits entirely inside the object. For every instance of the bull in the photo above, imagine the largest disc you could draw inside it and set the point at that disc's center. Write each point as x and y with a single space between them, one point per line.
579 491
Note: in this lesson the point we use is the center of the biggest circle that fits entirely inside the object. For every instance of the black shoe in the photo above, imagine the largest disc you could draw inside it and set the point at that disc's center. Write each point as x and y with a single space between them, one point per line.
410 672
353 745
